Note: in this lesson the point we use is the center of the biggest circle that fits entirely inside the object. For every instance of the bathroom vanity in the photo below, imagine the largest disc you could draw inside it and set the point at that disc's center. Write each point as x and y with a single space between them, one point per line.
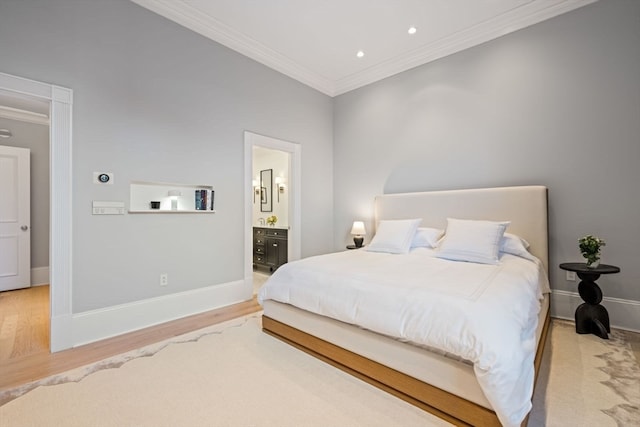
269 247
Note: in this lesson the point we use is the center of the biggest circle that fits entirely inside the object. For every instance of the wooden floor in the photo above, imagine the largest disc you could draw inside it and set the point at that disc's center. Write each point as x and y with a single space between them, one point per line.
25 357
24 322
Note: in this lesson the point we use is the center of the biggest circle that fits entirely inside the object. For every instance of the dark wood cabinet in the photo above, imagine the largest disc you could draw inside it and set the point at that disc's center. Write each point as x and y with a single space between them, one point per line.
269 247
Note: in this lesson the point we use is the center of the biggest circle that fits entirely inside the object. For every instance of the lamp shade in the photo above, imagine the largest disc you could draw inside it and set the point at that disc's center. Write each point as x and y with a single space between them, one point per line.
358 228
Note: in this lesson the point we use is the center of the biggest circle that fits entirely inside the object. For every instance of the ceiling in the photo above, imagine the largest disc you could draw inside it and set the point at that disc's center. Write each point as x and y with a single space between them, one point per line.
316 41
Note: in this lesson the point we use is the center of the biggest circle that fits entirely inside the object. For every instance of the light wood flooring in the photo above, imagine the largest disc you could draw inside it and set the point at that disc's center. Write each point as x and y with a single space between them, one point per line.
24 322
24 336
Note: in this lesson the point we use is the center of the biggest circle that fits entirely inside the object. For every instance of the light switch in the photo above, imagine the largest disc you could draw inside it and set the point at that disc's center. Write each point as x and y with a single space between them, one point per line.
108 208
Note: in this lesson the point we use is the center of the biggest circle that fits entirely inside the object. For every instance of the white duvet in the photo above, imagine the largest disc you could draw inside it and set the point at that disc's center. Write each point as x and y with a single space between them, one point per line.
486 314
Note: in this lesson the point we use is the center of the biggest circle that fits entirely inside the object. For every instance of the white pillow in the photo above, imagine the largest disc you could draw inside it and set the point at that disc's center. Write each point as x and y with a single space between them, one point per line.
426 237
513 244
472 241
394 236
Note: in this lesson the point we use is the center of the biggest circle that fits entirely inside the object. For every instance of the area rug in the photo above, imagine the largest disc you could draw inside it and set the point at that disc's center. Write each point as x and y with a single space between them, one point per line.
232 374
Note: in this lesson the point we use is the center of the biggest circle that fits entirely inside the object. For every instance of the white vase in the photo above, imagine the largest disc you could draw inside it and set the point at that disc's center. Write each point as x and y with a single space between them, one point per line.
594 264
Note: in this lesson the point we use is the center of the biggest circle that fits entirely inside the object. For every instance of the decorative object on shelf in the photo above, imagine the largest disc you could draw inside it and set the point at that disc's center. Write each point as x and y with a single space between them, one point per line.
590 249
271 220
154 205
174 194
358 232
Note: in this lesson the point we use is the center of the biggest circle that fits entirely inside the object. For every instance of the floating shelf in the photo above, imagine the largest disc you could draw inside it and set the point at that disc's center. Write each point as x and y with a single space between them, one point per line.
142 193
169 211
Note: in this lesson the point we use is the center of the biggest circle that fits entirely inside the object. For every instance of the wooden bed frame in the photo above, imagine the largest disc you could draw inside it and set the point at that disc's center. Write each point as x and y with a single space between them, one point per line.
525 207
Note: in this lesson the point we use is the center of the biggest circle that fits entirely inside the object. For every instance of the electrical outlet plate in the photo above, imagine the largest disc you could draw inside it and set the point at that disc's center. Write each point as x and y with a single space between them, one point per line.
164 279
571 276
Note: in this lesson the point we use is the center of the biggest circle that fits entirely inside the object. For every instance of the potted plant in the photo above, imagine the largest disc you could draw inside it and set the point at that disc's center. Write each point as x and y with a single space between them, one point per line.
590 249
272 220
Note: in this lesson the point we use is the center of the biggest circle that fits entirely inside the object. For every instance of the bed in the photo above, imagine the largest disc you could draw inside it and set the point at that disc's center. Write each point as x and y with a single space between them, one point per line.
465 381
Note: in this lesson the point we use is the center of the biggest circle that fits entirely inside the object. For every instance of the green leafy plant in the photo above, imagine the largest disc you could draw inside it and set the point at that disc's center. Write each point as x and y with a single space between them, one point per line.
271 220
590 248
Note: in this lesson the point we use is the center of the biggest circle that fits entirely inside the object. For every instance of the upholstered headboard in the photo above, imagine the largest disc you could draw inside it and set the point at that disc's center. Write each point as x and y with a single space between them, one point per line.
525 207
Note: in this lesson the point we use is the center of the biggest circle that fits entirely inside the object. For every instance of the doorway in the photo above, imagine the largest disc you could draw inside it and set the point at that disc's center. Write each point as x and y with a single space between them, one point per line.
284 183
24 225
59 101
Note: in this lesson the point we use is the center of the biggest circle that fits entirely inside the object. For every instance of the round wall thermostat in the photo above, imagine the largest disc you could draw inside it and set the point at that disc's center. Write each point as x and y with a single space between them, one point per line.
103 177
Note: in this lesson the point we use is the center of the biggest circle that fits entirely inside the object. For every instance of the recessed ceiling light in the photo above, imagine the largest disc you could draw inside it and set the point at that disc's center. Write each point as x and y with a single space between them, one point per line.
360 54
412 30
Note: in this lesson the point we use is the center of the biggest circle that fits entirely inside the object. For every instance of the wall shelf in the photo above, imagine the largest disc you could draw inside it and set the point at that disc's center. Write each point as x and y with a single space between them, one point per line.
142 193
169 211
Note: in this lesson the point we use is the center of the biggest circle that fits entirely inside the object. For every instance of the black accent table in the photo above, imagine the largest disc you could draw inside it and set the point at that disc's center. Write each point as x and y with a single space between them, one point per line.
591 317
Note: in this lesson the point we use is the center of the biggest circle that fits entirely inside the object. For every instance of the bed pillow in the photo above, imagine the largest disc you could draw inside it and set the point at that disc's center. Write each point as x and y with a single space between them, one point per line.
426 237
513 244
394 236
472 240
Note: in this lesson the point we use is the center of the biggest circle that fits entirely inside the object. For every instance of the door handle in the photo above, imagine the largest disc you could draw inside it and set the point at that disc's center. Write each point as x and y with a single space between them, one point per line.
24 228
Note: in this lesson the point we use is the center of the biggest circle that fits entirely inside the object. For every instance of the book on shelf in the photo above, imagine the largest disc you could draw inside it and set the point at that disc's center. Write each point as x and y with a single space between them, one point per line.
204 199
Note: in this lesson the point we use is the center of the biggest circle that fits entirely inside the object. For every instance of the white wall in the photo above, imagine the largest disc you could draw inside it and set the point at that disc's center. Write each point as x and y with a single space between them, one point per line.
556 104
154 101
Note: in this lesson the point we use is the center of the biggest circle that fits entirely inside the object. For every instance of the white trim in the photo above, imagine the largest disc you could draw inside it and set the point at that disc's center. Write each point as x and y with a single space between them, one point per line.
528 14
295 175
23 115
39 276
60 251
623 313
95 325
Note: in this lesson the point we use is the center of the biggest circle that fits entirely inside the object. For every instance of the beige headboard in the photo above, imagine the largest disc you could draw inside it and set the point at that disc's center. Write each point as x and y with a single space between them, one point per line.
525 207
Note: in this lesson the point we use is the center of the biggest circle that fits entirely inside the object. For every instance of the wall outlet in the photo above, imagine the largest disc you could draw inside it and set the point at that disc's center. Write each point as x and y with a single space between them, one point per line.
164 279
571 276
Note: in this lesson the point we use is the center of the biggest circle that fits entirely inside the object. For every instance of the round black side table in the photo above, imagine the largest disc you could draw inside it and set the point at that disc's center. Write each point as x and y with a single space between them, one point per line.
591 317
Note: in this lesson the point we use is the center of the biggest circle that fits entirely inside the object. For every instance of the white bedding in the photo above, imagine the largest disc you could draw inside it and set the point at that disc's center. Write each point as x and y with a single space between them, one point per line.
486 314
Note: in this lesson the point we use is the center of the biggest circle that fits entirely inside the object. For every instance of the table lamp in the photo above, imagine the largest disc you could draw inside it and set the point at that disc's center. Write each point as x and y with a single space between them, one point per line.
358 231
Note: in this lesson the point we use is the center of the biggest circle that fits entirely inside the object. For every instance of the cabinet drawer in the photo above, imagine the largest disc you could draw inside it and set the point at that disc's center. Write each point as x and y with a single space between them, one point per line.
258 232
277 233
258 240
259 249
258 259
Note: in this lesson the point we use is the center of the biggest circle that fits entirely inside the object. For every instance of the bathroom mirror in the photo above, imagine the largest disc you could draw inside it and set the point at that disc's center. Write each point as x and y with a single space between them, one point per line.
266 187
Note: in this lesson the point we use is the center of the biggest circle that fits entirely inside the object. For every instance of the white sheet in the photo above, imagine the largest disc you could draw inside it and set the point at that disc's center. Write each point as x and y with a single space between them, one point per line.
483 313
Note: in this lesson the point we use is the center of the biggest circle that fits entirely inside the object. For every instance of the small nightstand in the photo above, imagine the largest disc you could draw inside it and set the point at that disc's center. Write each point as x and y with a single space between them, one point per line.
591 317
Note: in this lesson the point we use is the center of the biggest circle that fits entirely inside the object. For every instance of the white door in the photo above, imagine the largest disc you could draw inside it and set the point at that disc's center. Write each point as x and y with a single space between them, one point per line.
15 218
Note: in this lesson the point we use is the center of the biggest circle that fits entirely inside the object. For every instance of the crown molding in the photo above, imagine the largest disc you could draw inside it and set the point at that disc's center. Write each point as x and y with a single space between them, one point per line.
189 17
515 19
23 115
508 22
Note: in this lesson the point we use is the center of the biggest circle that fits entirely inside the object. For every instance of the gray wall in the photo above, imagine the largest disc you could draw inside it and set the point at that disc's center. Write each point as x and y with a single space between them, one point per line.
154 101
35 137
556 104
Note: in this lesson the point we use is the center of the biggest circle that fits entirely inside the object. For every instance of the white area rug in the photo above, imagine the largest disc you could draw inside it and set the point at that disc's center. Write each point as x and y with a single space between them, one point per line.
232 374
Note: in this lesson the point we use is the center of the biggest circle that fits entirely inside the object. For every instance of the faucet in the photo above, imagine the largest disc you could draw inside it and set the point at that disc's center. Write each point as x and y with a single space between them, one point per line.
261 221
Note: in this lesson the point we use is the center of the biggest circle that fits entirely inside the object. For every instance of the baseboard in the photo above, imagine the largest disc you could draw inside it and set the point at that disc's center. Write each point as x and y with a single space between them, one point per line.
39 276
95 325
623 314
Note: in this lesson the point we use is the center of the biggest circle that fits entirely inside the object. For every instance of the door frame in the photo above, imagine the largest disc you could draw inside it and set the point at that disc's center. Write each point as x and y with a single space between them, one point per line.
60 215
294 188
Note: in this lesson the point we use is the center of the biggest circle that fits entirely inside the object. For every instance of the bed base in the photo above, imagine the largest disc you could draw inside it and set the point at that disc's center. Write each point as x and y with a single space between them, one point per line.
442 404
